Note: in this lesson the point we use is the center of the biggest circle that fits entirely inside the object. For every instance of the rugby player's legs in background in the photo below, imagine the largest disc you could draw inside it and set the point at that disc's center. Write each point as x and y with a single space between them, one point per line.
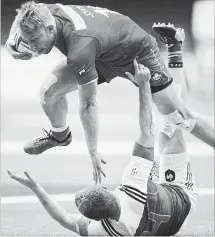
175 167
174 163
168 101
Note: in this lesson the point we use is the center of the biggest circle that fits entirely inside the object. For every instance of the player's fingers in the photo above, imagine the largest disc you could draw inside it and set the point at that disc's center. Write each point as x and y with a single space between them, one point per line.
23 56
16 176
99 177
103 161
144 69
11 49
141 69
10 172
29 177
130 76
27 56
136 67
94 175
141 66
103 173
15 53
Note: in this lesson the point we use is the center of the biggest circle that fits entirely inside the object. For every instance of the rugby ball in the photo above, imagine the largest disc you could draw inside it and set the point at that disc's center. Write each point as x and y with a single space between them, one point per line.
22 46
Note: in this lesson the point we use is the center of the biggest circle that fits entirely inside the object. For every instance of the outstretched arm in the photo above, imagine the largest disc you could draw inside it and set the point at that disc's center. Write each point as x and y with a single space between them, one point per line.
69 221
144 147
89 117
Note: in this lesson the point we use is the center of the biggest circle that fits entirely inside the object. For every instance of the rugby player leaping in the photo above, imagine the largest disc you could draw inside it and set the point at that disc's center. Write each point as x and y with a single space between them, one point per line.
138 206
100 45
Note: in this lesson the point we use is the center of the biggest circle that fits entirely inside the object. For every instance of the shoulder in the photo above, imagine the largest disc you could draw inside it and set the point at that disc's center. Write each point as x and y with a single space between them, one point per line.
82 49
95 228
82 226
80 43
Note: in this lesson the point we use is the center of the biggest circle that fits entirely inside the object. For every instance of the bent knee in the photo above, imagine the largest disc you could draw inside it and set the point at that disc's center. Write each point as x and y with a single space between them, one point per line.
45 95
47 90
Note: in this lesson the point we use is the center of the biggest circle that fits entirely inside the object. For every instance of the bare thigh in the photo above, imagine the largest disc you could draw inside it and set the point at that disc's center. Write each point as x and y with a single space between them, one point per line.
62 80
168 100
65 80
58 83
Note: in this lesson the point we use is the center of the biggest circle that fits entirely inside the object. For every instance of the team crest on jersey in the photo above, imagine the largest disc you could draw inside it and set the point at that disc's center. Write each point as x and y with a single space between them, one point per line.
170 175
156 76
82 71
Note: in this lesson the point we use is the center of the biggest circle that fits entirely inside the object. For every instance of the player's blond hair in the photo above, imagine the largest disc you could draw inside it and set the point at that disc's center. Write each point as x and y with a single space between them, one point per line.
97 203
31 16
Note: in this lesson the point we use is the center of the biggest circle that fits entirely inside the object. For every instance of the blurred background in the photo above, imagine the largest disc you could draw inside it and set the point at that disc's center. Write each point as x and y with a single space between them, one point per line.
65 170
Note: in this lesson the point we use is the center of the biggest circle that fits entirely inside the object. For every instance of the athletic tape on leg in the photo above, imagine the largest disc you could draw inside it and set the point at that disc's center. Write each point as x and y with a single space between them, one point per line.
168 129
176 118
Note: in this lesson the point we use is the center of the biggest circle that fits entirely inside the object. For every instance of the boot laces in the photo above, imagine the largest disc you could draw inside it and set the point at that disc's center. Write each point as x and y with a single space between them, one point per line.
48 135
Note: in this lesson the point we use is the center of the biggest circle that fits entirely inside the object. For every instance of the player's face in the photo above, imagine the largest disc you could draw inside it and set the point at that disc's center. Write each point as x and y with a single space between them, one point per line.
41 41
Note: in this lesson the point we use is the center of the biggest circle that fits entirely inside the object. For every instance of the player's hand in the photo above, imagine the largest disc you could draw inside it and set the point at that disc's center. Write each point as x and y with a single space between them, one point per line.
142 74
27 181
97 166
10 45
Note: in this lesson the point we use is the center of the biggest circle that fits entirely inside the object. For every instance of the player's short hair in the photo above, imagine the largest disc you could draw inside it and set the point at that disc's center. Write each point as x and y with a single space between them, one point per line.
97 203
31 16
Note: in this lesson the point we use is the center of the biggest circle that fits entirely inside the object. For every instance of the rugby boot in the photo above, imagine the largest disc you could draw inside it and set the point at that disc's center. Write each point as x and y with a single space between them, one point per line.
168 33
40 144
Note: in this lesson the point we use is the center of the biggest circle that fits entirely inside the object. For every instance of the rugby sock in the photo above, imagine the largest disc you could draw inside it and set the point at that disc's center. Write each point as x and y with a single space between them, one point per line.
60 134
175 56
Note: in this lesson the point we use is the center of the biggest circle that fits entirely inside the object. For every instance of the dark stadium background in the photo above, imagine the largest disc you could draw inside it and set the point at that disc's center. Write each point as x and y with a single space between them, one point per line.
68 169
145 13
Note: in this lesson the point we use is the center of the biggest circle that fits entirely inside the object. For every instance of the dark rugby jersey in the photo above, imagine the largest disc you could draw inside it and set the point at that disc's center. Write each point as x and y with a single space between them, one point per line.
166 210
97 38
160 212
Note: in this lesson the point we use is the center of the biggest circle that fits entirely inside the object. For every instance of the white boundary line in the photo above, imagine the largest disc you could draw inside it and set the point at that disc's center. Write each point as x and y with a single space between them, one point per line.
33 199
109 148
71 197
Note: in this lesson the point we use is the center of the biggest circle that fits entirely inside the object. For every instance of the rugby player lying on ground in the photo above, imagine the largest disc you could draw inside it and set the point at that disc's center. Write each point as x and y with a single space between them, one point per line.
100 45
138 206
